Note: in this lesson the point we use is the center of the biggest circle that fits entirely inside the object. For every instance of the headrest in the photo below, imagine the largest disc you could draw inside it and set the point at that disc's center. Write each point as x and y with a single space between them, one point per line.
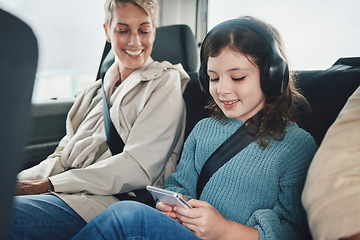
176 44
173 43
327 92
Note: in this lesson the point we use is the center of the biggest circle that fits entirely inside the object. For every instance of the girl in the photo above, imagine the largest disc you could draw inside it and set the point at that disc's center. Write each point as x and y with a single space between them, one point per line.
256 194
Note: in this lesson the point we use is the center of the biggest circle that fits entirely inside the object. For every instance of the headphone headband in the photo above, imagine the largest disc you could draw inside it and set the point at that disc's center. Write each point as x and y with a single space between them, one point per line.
274 73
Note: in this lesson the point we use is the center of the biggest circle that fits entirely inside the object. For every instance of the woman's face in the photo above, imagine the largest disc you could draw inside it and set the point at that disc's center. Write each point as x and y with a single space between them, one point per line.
235 85
131 35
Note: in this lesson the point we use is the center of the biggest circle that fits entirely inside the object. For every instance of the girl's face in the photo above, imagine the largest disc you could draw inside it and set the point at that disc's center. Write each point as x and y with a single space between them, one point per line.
131 34
235 85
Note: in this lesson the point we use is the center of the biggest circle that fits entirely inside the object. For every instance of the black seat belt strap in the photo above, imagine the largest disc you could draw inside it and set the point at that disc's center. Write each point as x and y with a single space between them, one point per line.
114 141
233 145
116 145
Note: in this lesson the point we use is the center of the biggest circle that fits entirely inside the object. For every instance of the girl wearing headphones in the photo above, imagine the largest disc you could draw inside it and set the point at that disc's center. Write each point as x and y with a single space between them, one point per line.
257 193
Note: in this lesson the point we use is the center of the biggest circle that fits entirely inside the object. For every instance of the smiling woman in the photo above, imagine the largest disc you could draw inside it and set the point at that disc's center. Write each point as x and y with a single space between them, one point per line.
131 39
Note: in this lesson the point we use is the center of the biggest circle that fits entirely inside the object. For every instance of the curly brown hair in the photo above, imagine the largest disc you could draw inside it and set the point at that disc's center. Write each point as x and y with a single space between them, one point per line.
278 110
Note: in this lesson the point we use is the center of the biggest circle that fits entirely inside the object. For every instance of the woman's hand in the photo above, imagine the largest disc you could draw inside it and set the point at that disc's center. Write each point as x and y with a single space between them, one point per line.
31 187
207 223
167 209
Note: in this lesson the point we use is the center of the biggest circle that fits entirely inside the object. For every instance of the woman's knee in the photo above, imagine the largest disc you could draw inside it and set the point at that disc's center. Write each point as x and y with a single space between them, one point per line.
43 216
129 210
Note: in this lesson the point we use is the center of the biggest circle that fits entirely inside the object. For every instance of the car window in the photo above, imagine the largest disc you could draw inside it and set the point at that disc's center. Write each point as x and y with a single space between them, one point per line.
315 33
71 40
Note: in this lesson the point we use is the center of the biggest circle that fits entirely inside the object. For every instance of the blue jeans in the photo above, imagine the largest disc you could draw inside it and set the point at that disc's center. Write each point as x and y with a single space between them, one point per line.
134 220
44 217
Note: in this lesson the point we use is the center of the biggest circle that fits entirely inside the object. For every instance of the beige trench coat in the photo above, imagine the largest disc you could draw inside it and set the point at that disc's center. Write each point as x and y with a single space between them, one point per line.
331 195
153 141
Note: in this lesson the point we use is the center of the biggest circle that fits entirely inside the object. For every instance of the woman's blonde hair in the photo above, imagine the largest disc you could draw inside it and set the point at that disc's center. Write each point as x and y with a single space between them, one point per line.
151 7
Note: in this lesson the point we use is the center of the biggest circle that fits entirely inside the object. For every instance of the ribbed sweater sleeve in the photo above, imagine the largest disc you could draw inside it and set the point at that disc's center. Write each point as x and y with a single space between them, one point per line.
257 187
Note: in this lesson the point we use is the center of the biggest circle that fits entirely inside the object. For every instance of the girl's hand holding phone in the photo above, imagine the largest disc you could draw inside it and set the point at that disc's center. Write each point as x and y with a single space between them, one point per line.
208 223
168 209
203 219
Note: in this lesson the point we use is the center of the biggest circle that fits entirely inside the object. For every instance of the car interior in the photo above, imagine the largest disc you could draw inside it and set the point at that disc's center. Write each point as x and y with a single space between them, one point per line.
326 90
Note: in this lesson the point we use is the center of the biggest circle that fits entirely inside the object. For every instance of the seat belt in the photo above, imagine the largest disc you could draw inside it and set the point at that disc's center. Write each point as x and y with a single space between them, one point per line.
113 140
233 145
116 146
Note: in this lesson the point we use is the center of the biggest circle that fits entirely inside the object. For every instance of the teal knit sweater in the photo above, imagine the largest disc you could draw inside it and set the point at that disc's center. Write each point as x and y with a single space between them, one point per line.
258 187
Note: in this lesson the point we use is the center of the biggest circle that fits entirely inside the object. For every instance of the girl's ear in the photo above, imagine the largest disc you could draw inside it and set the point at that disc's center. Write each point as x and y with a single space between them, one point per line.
107 33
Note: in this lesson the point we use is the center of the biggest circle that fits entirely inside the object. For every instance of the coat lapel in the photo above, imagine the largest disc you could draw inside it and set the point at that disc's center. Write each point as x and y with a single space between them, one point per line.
77 111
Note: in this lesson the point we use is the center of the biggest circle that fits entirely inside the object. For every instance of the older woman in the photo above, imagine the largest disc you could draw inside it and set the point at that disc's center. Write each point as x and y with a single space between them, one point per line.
147 110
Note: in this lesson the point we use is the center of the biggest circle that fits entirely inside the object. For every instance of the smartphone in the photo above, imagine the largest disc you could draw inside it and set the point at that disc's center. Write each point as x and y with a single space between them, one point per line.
168 197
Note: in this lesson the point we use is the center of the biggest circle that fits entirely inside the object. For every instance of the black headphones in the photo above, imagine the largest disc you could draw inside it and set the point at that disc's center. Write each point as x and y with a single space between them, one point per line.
274 73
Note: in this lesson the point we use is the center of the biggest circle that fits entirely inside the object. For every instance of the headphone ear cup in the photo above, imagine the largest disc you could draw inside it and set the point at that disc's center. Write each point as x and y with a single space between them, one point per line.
264 76
274 76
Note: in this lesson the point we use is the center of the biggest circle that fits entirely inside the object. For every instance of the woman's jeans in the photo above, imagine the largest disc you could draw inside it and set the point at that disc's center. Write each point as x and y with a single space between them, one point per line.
44 217
133 220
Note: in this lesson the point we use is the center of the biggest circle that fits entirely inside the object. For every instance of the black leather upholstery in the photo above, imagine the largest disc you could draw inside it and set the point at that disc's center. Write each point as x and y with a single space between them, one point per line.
176 44
327 92
18 63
